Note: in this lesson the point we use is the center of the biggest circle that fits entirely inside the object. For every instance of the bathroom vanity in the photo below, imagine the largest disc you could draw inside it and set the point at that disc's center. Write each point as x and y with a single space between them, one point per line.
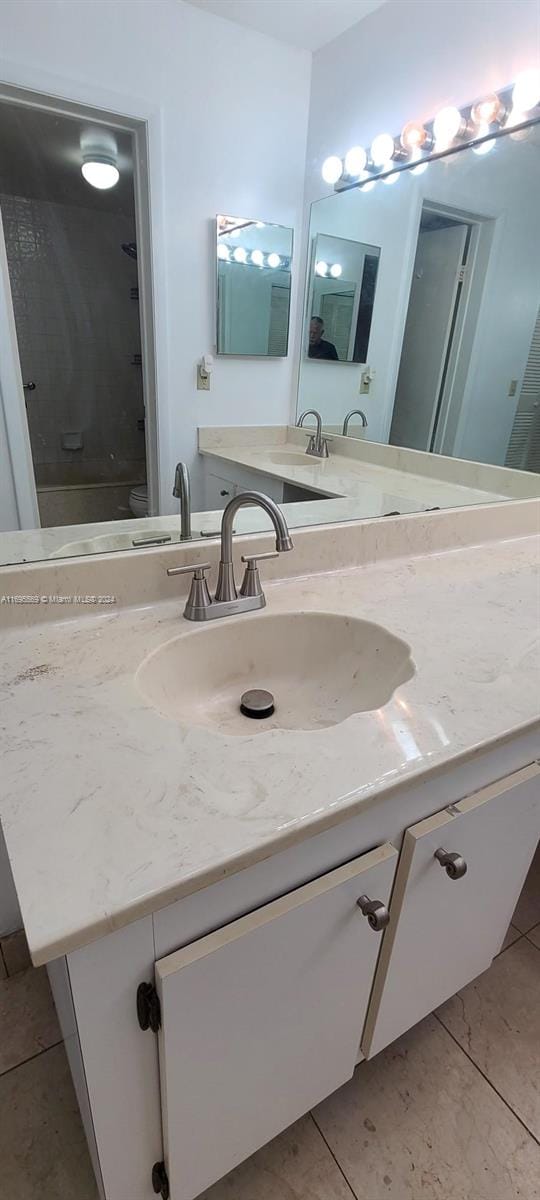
234 914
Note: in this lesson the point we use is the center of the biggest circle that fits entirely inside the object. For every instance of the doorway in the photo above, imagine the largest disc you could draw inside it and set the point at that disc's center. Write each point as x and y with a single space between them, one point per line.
426 400
82 390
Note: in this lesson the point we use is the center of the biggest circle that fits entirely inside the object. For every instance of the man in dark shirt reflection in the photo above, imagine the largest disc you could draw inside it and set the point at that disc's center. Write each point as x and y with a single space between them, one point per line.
318 348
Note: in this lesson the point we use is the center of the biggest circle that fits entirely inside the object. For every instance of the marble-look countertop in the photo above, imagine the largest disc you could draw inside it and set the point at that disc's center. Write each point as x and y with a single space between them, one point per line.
373 489
111 810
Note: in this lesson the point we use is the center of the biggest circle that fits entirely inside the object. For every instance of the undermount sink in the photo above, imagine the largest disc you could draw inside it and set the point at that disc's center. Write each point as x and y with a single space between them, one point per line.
320 668
288 458
118 541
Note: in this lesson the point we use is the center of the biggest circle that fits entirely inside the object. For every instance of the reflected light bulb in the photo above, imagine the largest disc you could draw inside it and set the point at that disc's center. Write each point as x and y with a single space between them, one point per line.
223 251
487 111
484 147
391 178
422 164
382 149
332 169
321 268
448 124
335 270
240 255
526 91
413 135
355 160
257 258
100 173
368 187
274 260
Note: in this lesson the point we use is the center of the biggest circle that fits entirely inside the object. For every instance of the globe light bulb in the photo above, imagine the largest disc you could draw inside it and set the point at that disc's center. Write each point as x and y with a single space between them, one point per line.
223 251
274 260
369 185
257 258
391 178
382 149
422 164
413 135
336 270
448 124
240 255
484 147
355 161
100 173
321 268
526 91
332 169
488 111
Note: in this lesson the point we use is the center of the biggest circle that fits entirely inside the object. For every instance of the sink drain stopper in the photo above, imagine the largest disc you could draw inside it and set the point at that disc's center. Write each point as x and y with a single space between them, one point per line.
257 703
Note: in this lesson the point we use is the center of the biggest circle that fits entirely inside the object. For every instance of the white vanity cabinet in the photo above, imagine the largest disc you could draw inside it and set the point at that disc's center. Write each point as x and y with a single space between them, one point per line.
268 985
223 481
459 877
262 1019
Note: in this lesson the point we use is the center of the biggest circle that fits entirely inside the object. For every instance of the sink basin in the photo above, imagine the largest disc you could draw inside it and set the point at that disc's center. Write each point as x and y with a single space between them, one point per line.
117 541
288 458
320 667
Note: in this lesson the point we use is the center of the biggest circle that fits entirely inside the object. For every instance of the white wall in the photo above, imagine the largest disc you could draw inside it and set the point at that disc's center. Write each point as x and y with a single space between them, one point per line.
228 111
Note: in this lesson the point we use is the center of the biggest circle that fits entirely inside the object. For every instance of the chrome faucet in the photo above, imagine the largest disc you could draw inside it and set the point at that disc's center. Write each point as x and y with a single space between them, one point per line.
182 492
227 600
355 412
317 445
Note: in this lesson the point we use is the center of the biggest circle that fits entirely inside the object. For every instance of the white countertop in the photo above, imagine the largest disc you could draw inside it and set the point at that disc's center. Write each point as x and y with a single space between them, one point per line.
111 811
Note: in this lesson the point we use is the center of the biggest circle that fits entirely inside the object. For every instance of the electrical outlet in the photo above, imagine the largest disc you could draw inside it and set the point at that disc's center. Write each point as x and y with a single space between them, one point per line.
203 379
513 387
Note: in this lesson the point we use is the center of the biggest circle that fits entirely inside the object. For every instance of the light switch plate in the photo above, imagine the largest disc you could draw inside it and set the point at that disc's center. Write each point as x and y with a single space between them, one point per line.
203 379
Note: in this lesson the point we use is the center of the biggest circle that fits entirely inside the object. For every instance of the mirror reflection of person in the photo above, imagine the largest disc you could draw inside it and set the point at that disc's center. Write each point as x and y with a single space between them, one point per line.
318 348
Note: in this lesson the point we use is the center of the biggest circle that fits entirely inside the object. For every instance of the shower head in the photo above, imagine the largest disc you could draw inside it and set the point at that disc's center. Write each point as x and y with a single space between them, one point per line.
130 248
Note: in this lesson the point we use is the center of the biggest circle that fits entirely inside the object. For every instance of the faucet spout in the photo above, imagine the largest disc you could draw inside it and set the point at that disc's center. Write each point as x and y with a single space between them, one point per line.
226 586
182 492
355 412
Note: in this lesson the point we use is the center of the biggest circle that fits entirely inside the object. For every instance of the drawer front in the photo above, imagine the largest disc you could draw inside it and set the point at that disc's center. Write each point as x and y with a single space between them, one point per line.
445 931
263 1018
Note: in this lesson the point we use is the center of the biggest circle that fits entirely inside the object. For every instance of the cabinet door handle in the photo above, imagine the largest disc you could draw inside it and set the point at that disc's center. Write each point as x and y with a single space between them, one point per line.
454 865
375 911
224 492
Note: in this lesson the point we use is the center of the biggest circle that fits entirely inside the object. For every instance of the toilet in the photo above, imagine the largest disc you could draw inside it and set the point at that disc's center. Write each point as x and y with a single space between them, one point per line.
138 501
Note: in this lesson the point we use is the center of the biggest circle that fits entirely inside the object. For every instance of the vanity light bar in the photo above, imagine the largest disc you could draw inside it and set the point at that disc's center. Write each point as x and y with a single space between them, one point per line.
451 129
253 258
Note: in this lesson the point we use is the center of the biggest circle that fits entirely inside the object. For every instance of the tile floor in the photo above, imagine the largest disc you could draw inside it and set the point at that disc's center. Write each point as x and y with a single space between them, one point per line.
451 1111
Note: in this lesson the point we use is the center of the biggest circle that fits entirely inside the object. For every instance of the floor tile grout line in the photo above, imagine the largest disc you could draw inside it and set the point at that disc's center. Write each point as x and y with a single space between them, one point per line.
531 943
23 1061
336 1160
488 1081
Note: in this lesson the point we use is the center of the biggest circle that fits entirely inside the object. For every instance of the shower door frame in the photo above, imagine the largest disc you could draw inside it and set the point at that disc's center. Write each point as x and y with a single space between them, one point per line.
11 383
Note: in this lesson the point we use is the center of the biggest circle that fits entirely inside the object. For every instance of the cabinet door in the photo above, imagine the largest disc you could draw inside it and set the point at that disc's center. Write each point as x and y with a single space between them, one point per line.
445 931
263 1018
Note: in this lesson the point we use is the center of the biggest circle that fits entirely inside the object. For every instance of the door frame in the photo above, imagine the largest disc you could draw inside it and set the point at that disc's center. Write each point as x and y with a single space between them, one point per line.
11 384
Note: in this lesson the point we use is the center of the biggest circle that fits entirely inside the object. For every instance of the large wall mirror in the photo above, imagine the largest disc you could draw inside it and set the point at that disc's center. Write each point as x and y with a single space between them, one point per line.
254 262
453 361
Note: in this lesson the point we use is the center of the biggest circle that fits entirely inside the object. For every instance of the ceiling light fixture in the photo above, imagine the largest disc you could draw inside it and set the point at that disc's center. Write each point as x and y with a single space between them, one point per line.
100 172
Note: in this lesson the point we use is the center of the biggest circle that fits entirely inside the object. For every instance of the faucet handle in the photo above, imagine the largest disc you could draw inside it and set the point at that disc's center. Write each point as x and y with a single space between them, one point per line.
197 568
251 584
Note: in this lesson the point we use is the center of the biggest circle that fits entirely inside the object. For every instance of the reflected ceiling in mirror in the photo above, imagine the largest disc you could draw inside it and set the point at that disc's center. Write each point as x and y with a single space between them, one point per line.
254 261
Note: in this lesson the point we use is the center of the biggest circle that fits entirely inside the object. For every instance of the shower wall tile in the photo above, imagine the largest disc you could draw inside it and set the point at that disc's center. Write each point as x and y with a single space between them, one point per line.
77 330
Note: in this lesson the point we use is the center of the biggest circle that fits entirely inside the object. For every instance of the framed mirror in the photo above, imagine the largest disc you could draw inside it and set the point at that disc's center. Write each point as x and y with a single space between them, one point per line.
340 299
254 261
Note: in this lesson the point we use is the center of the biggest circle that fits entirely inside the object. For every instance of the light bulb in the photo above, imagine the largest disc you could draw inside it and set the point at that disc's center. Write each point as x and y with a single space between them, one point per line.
257 258
336 270
100 173
274 260
391 178
355 160
223 251
484 147
240 255
382 149
321 268
448 124
422 163
487 111
332 169
413 135
369 185
526 91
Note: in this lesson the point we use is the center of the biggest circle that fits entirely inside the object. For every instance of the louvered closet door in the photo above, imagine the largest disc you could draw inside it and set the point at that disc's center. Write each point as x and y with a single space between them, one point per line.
262 1019
524 446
